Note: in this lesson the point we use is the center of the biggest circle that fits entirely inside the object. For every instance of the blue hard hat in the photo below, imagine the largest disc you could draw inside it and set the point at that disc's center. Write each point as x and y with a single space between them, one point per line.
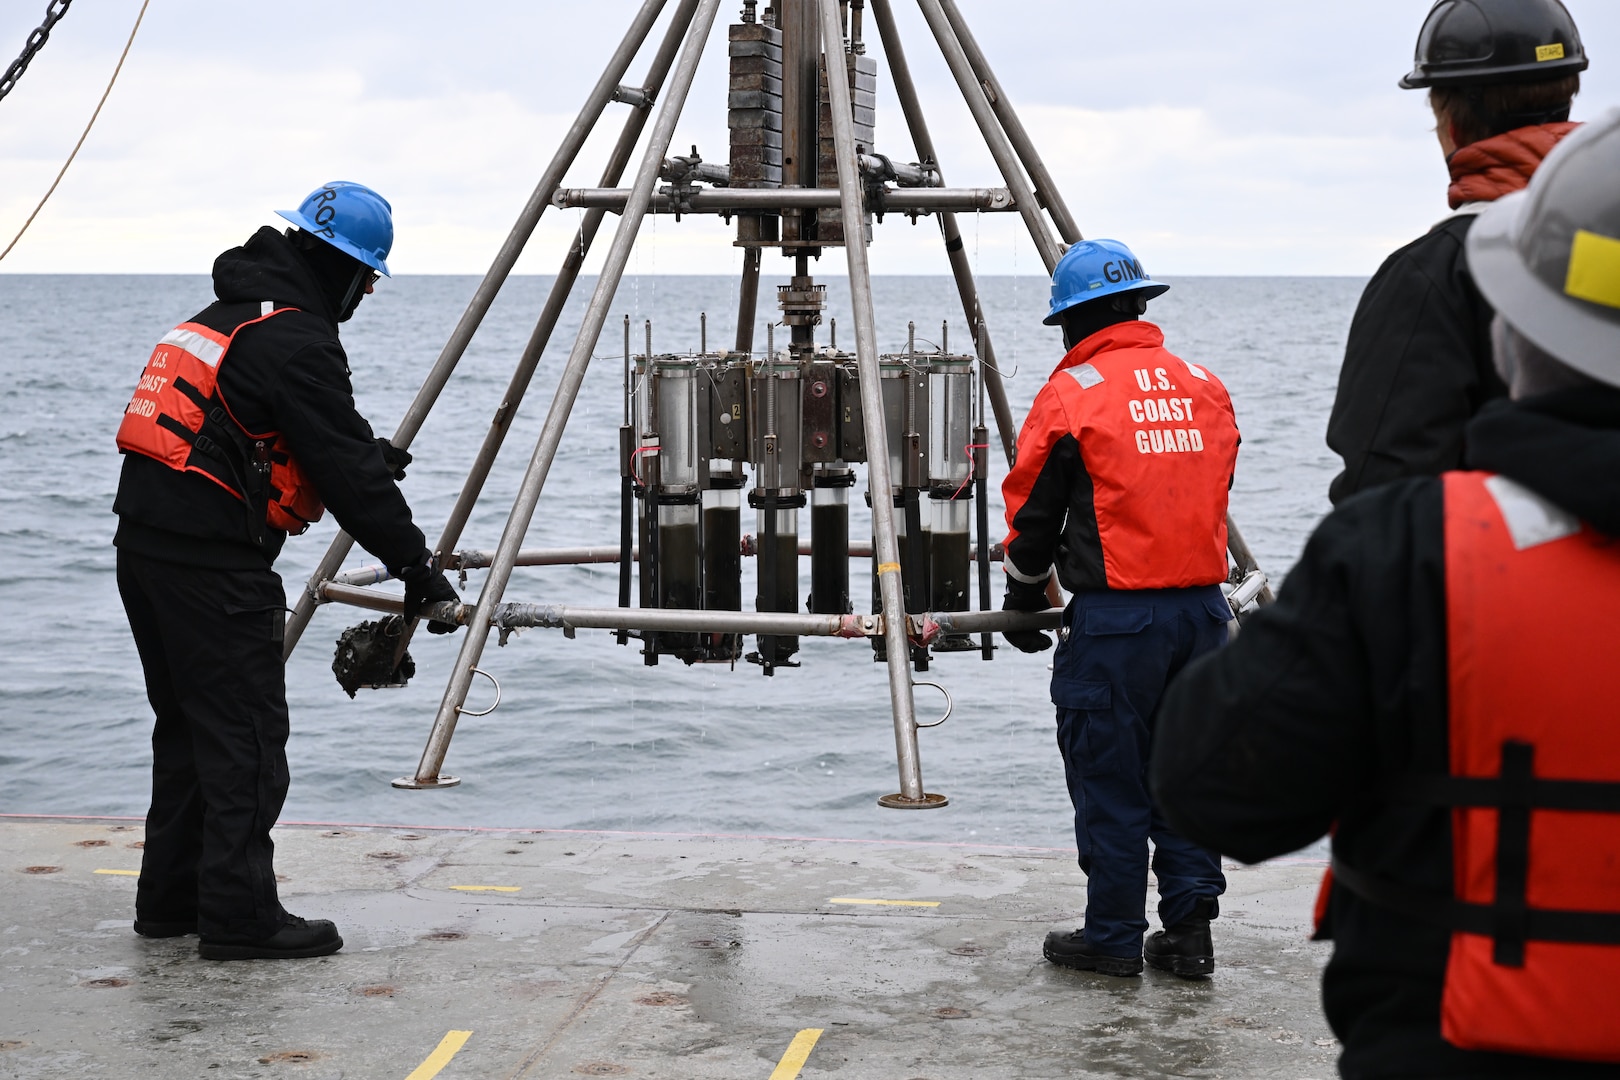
352 218
1093 269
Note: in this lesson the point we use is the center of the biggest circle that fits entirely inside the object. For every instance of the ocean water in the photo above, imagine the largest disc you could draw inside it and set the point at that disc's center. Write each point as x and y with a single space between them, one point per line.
586 737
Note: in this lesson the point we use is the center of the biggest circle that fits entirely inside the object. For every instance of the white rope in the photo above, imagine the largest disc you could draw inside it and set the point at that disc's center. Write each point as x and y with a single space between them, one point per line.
121 57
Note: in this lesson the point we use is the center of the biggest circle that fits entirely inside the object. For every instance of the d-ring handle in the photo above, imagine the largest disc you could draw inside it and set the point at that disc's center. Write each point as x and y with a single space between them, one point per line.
492 708
950 703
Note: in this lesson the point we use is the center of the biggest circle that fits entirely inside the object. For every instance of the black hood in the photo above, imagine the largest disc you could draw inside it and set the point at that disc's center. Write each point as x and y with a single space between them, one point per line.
1565 446
269 267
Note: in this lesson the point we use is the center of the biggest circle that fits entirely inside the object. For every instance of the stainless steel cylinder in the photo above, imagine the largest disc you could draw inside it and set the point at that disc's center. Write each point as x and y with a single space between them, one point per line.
905 418
644 419
670 460
681 412
950 421
774 393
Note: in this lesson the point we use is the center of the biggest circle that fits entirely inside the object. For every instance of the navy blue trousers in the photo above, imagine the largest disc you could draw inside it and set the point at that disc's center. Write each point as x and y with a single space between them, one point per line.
1120 651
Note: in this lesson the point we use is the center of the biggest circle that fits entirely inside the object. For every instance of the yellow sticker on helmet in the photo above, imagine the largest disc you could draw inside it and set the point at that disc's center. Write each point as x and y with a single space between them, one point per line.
1555 51
1594 269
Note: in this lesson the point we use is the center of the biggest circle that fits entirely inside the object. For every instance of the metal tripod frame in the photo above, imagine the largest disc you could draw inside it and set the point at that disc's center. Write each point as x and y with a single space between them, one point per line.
1029 191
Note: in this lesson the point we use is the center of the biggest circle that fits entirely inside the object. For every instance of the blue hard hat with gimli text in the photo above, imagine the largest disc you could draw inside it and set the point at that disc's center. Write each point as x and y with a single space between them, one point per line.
1094 269
352 218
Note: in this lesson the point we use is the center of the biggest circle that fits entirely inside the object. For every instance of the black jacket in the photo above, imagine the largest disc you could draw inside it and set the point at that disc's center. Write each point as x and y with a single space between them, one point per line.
287 374
1340 686
1417 365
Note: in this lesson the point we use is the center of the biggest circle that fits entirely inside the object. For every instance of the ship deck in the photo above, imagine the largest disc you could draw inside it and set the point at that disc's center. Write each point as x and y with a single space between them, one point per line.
617 954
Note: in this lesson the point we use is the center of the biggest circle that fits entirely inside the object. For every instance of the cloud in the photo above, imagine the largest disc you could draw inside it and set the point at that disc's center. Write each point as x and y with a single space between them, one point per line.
1266 140
1197 198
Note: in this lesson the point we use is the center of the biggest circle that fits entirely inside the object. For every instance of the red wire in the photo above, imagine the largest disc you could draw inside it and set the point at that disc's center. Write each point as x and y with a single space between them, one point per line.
968 450
637 453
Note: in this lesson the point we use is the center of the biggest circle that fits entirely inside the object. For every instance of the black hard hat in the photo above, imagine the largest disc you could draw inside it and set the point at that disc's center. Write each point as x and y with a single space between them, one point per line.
1548 258
1477 42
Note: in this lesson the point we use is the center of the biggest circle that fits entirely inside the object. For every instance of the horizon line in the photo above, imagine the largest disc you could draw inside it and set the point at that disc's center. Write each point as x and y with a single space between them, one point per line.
727 276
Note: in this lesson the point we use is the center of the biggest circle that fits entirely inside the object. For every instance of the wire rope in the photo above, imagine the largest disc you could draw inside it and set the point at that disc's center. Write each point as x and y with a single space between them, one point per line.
105 94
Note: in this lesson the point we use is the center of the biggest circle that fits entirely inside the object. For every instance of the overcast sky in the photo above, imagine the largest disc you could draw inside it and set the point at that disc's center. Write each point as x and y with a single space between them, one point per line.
1216 138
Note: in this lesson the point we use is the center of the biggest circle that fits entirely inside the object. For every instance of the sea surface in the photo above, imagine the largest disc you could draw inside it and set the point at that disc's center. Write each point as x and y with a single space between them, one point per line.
586 736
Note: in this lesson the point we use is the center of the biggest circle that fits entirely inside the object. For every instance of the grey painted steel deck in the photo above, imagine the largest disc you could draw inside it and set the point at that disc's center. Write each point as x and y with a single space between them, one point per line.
640 956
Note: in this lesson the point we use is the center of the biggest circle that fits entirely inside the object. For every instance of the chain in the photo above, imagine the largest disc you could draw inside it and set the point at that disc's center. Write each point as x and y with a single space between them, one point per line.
54 10
140 15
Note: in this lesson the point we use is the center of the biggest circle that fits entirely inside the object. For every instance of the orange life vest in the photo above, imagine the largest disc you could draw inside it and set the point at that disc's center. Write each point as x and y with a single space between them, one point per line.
1159 441
1534 779
179 416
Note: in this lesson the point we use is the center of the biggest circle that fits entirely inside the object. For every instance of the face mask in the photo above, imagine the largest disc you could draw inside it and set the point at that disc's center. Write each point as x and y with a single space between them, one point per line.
356 293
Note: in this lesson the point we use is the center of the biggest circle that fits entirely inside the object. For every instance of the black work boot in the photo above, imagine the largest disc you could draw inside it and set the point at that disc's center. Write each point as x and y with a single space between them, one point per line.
1071 951
296 939
1185 949
165 928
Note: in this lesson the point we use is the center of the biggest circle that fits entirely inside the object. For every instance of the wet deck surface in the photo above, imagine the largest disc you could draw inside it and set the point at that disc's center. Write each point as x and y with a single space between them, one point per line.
638 956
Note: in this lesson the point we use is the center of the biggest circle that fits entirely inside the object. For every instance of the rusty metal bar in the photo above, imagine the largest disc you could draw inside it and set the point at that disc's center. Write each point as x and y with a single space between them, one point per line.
566 617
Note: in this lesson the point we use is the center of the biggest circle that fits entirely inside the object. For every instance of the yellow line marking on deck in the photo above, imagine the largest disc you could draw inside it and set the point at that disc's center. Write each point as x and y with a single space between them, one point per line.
883 903
441 1055
798 1052
121 873
486 888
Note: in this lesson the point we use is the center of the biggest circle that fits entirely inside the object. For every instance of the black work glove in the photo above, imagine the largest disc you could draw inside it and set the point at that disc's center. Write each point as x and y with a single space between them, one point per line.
395 458
1022 597
425 583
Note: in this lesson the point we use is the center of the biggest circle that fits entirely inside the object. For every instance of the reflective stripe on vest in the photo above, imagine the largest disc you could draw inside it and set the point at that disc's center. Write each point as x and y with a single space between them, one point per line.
201 342
1534 779
178 401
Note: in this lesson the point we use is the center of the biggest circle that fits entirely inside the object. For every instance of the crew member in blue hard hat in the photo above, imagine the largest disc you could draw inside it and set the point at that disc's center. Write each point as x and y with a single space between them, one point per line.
1435 687
1417 365
241 430
1120 488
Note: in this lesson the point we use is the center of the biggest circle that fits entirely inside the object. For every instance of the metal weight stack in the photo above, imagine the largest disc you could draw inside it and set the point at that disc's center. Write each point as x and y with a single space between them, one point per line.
754 116
861 73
